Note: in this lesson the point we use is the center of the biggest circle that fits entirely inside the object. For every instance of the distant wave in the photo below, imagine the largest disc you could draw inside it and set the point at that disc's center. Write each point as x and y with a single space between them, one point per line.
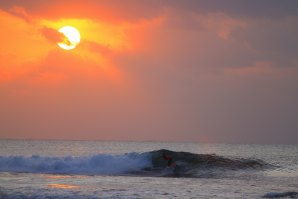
138 164
281 195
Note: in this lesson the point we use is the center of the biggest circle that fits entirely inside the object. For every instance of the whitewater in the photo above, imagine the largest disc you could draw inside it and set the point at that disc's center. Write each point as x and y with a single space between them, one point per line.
83 169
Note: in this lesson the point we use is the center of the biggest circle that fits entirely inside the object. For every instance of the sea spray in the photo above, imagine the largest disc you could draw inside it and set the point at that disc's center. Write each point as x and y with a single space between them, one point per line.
101 164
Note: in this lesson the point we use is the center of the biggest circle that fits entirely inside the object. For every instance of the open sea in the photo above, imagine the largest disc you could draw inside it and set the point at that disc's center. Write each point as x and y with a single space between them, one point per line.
104 169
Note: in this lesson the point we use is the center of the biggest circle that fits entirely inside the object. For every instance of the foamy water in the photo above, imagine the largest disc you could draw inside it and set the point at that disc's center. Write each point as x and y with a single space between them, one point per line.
81 169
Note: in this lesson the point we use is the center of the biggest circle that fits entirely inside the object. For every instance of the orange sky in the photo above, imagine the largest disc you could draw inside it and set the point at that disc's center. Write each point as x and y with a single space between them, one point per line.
168 70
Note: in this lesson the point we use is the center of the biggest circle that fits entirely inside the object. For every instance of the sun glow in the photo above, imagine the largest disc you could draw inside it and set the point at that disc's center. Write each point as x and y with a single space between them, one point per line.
71 38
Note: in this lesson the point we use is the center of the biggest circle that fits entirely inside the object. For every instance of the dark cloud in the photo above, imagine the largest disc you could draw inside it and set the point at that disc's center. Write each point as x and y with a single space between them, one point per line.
245 8
143 9
21 12
274 40
52 34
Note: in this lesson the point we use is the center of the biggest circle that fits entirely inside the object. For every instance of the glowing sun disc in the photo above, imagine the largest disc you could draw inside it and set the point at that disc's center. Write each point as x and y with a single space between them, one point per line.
71 38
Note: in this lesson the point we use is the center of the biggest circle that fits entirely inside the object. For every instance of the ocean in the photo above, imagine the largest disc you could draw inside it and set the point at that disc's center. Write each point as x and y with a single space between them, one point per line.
107 169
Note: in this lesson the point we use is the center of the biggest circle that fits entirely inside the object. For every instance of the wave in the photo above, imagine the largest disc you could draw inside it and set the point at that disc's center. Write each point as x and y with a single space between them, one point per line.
91 165
205 160
281 195
137 164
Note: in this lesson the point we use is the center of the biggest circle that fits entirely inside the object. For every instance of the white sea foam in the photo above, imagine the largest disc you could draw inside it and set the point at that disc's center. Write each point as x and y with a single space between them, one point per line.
98 164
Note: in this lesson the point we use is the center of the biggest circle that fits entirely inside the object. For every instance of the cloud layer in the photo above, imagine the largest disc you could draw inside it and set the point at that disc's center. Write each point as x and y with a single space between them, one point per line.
207 71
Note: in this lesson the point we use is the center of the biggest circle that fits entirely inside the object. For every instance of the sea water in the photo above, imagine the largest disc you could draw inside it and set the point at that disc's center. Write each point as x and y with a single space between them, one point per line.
102 169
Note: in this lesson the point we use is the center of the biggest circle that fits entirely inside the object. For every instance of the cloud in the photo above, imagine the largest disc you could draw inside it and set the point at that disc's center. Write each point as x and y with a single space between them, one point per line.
241 8
184 70
271 39
52 34
263 69
21 12
15 41
119 11
96 47
104 10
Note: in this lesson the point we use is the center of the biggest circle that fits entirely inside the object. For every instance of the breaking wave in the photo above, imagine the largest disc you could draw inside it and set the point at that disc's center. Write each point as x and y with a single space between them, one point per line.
100 164
136 164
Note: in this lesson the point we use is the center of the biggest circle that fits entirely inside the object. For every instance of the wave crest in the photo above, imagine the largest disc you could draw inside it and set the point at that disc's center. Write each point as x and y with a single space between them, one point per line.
205 160
101 164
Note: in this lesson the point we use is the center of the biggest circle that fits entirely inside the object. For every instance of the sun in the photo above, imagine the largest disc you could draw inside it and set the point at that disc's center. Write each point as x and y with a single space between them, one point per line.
71 38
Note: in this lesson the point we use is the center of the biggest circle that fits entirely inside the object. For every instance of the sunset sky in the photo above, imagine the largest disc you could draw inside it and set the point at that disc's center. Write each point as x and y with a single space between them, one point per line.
170 70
